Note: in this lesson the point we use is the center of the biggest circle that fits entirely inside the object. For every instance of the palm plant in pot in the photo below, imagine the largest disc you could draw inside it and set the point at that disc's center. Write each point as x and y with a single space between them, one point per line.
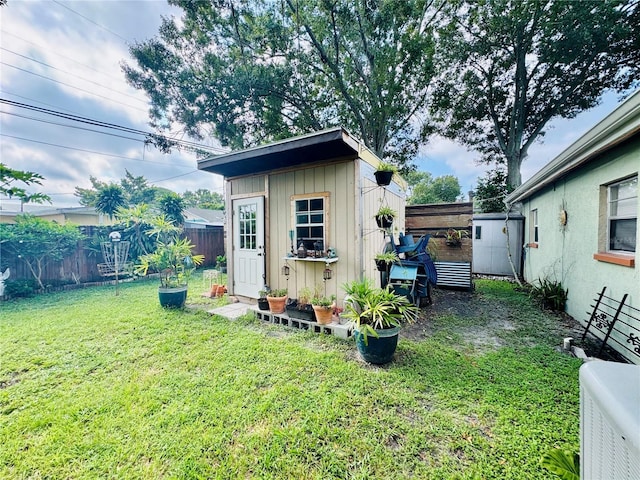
174 261
377 314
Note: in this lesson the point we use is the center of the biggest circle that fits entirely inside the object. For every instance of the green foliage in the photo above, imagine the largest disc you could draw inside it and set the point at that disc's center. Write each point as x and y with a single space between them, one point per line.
549 294
172 206
36 242
509 67
386 257
203 198
565 465
373 309
425 189
253 71
135 190
8 176
102 379
326 302
491 191
221 260
278 292
110 199
19 288
386 167
134 223
387 212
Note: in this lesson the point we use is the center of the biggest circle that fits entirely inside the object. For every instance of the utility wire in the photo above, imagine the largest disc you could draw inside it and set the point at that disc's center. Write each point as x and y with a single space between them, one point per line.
74 75
117 79
90 20
72 86
90 121
90 151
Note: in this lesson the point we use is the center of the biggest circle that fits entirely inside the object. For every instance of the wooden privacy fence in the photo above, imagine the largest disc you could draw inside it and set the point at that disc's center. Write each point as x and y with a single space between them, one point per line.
82 265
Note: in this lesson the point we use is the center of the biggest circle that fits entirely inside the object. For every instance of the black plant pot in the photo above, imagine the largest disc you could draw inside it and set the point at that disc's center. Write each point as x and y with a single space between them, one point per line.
263 304
382 265
378 350
172 297
383 178
384 221
304 312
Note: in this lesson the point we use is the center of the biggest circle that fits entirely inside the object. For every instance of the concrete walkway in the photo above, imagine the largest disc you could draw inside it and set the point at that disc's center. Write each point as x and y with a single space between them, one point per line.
231 311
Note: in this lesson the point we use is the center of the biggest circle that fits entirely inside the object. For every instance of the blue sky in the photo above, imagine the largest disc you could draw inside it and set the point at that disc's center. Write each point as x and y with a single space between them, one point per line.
66 56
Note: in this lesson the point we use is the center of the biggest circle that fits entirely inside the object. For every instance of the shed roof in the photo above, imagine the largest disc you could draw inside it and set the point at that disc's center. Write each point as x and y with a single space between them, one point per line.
296 151
620 125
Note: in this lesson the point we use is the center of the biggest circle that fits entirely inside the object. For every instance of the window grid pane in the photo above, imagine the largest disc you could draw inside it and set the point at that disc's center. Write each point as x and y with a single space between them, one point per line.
623 213
309 218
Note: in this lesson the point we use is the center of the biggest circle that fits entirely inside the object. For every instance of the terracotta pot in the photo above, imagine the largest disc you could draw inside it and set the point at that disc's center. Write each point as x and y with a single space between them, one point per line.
276 304
324 316
220 291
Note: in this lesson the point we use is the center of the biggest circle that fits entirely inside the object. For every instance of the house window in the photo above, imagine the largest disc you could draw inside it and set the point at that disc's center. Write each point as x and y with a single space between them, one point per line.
533 227
478 232
310 220
622 215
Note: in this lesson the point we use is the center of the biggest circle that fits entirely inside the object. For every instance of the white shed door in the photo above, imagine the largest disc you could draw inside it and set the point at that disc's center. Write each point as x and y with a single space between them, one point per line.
248 246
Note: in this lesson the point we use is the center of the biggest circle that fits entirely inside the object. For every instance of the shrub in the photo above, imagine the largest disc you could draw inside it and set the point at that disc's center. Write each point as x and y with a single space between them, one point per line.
549 294
20 288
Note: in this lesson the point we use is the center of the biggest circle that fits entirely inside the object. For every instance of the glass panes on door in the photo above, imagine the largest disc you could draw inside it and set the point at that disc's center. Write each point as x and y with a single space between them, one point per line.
247 226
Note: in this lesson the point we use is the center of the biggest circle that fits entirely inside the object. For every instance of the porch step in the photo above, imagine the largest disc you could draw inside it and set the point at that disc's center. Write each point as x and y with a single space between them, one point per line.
336 329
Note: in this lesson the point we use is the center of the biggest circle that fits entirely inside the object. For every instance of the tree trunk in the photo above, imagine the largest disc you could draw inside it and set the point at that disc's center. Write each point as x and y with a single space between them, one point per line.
514 161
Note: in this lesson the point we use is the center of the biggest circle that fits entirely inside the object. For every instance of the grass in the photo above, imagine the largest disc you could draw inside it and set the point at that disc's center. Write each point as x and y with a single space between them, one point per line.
98 386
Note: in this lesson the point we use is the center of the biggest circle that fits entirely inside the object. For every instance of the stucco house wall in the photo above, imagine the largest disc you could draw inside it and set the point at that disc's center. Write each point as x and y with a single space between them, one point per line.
565 253
569 199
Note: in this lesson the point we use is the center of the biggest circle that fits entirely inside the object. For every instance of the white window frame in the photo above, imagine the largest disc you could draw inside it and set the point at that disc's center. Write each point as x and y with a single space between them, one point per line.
534 229
631 216
324 196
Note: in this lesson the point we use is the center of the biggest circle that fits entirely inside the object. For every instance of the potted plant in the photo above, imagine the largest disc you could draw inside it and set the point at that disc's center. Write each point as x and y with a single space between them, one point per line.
385 216
323 308
301 307
454 237
384 173
277 299
221 263
377 314
263 304
383 260
173 259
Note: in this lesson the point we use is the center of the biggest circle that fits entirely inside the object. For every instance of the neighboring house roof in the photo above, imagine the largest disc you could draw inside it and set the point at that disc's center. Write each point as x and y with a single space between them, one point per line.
620 125
204 216
297 151
60 214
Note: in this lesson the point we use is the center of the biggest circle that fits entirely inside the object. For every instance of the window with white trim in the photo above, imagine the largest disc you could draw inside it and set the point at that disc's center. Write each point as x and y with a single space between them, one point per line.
310 217
622 215
533 226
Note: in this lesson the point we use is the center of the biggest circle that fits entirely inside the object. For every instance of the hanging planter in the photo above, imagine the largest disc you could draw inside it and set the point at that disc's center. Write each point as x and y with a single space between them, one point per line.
384 174
384 217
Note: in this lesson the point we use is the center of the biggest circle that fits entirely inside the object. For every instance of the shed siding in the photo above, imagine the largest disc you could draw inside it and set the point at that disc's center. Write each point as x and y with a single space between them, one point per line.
338 181
566 253
247 185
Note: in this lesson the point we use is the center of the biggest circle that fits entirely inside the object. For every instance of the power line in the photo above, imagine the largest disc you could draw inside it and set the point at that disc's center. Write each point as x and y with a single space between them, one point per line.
88 151
72 86
90 20
90 121
63 56
76 76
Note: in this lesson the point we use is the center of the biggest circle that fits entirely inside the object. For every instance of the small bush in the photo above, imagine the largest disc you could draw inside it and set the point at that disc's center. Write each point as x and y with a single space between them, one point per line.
19 288
549 294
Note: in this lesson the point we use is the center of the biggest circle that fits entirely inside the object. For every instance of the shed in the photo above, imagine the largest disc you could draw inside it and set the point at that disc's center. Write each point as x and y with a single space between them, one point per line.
489 236
317 189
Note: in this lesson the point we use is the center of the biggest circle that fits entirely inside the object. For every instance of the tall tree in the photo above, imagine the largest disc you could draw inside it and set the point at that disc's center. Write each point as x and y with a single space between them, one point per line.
8 179
137 189
252 71
426 189
110 199
510 66
491 191
172 207
89 196
203 198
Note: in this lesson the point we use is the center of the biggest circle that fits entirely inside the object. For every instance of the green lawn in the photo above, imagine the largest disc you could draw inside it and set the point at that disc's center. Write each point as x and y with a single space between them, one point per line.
98 386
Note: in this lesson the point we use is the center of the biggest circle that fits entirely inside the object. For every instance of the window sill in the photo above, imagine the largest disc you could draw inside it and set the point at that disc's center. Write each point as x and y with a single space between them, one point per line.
532 245
615 258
